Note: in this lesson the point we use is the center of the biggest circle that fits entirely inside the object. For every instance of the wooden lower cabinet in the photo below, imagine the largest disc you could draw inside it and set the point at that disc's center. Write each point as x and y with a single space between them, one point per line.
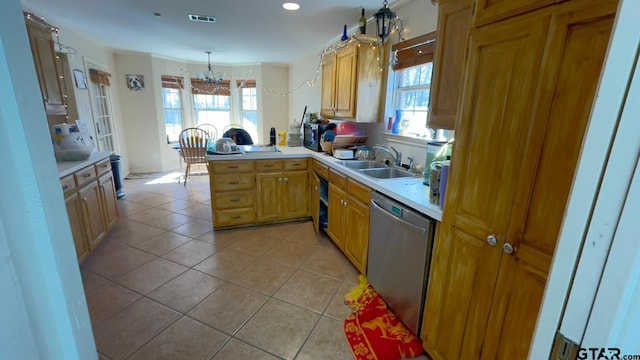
74 211
108 199
348 222
91 205
530 83
92 213
258 191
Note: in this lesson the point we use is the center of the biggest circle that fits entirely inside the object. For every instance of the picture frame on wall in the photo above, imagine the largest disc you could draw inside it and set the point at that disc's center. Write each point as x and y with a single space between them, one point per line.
81 81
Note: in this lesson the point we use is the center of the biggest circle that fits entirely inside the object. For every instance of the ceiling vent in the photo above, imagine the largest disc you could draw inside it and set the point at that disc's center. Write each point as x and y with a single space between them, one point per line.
202 18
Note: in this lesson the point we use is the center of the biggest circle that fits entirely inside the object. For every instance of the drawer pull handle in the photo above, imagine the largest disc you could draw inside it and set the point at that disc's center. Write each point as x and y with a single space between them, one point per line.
269 165
236 217
233 167
86 175
234 182
234 200
65 187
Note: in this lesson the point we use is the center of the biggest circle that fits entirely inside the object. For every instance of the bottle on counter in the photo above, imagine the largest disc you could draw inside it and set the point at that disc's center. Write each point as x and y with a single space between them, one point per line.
272 136
363 23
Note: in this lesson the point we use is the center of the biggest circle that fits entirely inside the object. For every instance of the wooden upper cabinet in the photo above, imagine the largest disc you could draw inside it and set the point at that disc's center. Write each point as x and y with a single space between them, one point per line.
346 71
454 19
488 11
328 97
48 68
352 83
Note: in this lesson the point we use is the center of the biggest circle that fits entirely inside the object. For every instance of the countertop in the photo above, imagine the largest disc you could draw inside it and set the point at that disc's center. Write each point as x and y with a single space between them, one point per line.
409 191
69 167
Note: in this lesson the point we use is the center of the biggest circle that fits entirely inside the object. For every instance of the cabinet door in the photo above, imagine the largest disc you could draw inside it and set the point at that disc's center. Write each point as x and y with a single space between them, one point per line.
47 68
357 234
496 116
491 10
314 201
454 19
328 92
346 74
92 213
268 196
295 190
108 200
336 215
74 211
576 47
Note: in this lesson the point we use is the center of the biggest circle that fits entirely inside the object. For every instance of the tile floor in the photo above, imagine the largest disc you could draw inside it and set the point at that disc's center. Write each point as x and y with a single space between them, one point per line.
164 285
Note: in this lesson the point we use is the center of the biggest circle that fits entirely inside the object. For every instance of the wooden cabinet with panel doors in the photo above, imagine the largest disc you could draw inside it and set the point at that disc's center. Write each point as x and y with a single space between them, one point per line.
454 19
281 189
258 191
348 222
352 82
47 64
318 203
530 82
92 208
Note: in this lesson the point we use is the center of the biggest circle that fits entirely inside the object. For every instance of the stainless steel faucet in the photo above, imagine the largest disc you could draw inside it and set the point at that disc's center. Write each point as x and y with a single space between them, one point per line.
397 158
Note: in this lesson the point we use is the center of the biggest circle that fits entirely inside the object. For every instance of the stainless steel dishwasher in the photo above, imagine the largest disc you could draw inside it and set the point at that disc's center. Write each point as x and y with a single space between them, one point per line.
400 243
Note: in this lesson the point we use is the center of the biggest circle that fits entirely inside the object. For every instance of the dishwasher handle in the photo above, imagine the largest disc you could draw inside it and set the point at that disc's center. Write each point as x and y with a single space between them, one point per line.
385 212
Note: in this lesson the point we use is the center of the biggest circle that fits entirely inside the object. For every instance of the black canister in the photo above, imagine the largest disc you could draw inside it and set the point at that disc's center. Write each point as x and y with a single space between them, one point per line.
272 136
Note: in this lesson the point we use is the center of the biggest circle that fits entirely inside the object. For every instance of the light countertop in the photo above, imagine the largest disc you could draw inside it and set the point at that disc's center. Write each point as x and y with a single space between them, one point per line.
69 167
409 191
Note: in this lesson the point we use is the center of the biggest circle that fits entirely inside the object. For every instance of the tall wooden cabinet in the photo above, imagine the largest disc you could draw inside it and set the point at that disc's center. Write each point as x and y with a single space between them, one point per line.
352 83
529 86
48 68
454 19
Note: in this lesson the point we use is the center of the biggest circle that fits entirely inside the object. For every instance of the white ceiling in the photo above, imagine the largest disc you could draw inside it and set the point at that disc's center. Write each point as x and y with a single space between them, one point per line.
246 31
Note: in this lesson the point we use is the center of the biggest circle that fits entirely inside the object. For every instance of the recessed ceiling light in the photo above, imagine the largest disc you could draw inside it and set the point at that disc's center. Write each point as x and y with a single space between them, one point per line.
291 6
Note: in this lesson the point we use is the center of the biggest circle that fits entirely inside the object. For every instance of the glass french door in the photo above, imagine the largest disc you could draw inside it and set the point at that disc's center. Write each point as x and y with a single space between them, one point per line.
102 114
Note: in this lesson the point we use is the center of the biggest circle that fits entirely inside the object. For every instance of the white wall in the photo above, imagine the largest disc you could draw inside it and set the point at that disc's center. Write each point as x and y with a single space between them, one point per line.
275 102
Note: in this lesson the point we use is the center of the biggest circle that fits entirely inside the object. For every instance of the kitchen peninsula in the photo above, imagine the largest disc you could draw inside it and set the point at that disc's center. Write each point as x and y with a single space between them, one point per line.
409 191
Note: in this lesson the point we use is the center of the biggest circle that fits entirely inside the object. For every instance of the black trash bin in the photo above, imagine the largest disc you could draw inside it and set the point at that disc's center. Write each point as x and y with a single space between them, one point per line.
116 168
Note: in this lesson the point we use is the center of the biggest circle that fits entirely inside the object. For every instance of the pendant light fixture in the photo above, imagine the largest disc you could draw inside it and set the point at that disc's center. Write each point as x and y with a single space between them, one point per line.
384 20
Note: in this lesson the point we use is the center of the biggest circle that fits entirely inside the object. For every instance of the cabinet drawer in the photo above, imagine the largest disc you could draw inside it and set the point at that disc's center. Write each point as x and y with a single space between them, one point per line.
321 170
359 191
268 165
85 176
233 217
296 164
68 184
103 167
223 167
338 179
232 182
233 200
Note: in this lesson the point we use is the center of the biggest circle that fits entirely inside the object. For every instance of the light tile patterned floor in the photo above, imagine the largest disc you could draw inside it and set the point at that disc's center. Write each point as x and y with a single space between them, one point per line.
164 285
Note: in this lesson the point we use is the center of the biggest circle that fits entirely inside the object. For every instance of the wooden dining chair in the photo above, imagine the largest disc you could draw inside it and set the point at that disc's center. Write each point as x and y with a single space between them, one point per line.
193 149
211 130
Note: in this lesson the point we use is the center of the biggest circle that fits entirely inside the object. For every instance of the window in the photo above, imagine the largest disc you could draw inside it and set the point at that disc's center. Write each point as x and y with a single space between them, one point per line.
412 98
249 107
172 103
211 103
413 68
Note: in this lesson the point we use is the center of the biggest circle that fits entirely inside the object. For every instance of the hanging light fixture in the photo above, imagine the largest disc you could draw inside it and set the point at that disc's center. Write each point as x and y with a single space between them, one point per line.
384 21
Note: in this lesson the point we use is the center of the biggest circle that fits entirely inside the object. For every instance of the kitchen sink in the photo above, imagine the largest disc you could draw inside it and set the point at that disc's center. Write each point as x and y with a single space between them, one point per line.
387 173
362 164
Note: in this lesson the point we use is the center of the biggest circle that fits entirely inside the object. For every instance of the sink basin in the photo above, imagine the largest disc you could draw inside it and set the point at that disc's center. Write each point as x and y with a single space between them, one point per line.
362 164
387 173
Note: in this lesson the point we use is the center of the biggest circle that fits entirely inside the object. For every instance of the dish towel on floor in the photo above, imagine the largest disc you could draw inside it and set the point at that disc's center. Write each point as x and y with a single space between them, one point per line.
373 331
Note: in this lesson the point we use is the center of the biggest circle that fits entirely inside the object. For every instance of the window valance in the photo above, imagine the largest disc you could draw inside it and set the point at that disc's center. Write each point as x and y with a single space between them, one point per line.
416 51
208 87
245 83
172 82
